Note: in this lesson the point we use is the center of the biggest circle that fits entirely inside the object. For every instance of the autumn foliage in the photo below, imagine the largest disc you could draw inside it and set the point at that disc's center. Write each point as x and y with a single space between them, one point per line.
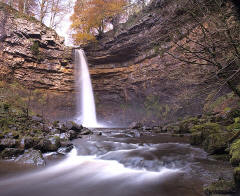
91 17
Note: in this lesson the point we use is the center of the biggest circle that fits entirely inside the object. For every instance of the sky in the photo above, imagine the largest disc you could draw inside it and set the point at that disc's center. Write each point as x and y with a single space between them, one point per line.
64 28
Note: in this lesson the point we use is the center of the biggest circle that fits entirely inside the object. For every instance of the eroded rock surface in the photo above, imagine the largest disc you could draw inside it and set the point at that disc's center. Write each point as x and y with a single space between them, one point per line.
32 53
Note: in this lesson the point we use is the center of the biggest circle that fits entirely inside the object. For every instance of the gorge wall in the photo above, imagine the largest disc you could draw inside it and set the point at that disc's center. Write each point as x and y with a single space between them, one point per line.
133 76
35 56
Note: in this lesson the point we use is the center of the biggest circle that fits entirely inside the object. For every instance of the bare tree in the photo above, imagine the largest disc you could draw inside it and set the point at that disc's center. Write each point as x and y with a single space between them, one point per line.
210 39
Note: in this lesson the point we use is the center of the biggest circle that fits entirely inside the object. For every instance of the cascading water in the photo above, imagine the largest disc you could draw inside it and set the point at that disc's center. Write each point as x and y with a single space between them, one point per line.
86 111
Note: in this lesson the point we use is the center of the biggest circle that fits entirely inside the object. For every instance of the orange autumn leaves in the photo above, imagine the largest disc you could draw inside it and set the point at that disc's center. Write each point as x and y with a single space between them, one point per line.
91 17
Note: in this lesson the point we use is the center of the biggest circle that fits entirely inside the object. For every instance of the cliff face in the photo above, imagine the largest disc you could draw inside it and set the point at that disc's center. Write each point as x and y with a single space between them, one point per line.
134 76
36 57
32 53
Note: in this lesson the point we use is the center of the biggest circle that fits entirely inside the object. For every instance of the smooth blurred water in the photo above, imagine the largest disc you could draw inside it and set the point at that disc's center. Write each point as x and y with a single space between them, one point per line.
118 163
86 111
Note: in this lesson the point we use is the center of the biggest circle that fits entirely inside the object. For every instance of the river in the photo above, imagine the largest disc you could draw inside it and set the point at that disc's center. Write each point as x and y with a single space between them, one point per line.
118 162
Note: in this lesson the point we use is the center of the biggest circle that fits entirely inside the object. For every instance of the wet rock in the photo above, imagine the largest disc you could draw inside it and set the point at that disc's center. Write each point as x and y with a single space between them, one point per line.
196 138
76 127
9 153
55 131
37 118
33 157
66 144
12 134
207 128
86 131
146 128
70 125
216 143
64 137
235 153
186 124
236 175
135 125
65 150
72 134
199 133
26 142
157 129
8 143
220 187
50 144
172 128
135 133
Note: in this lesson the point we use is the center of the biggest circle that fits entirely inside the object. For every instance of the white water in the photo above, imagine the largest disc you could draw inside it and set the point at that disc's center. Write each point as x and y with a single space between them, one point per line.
86 111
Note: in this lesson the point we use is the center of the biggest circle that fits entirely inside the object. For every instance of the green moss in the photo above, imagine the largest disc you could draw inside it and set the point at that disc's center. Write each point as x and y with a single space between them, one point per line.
220 187
221 157
235 153
216 143
188 123
207 128
35 48
236 175
196 138
234 127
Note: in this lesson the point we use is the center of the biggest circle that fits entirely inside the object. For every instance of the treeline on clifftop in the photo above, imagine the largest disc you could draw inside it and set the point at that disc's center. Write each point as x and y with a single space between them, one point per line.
49 12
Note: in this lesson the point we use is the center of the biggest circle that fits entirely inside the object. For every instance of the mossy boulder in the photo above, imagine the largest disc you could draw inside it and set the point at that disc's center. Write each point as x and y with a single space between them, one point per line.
172 128
216 143
26 142
235 153
202 131
196 138
207 128
9 153
49 144
8 143
32 157
220 187
236 175
186 124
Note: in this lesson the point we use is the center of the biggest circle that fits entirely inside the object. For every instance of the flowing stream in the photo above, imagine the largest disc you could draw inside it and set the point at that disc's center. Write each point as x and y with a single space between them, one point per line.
116 163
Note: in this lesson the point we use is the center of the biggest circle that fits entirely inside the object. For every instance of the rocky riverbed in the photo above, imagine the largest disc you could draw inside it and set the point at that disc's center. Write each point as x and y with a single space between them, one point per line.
125 161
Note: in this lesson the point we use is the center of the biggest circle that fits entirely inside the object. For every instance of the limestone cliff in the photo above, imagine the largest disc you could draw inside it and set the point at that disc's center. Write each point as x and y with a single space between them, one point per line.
32 53
134 77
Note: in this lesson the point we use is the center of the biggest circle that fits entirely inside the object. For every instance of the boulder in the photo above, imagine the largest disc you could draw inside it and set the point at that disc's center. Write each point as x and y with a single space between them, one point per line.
86 131
216 143
49 144
235 153
65 150
135 125
9 153
37 118
207 129
64 137
66 144
196 138
220 187
26 142
33 157
172 128
236 175
8 143
71 134
186 124
70 125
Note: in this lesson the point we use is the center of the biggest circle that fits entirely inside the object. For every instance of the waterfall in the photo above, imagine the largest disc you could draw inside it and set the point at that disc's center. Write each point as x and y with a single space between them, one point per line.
86 111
